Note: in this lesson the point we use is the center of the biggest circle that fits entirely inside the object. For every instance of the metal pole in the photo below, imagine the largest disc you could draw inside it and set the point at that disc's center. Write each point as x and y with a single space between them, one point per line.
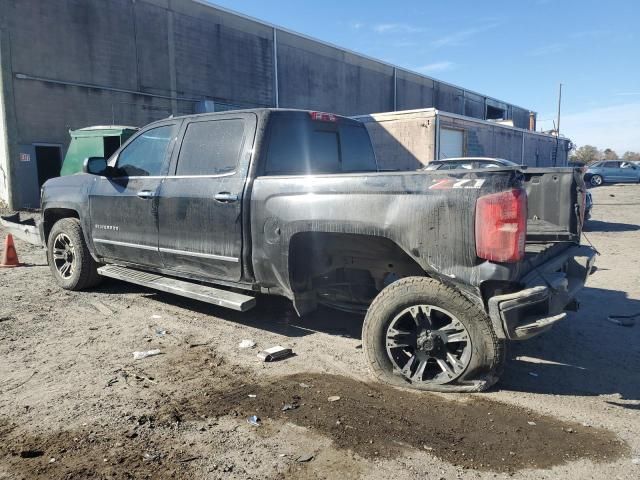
275 69
559 105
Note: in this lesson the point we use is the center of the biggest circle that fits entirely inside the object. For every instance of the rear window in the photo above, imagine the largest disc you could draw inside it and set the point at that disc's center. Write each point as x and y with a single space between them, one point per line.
299 146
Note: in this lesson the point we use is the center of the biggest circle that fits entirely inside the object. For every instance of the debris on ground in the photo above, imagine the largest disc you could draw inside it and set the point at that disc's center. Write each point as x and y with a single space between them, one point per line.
333 398
275 353
289 406
305 457
254 420
161 332
304 385
531 423
148 353
103 309
533 374
31 453
246 343
623 320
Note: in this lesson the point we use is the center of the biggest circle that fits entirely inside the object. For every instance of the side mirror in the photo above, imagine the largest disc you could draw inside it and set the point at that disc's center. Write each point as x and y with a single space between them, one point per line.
94 165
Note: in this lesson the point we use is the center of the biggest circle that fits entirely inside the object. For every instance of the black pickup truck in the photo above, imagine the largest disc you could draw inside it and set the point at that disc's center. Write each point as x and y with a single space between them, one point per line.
448 265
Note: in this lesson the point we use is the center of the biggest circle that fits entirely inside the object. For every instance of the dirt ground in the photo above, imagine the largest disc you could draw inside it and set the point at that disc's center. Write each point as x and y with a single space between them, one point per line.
75 404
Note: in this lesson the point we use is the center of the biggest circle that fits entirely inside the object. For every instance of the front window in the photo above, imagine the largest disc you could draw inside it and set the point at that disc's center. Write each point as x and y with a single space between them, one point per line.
146 154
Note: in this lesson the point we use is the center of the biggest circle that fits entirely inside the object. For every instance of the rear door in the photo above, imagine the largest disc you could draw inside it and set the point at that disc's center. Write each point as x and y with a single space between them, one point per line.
200 207
124 208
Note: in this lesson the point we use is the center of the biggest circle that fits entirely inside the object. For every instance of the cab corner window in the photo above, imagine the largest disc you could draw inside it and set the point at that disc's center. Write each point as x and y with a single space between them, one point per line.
211 147
146 154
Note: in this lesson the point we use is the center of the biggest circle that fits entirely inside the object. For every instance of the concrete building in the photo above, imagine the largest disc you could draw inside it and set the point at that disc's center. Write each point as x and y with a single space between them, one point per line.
68 64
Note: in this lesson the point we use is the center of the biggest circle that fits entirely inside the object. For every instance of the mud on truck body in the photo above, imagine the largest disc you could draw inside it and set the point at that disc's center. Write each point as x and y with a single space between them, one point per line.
449 266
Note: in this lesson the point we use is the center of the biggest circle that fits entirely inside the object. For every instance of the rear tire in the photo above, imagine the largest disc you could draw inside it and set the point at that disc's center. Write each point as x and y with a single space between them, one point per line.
596 180
453 349
69 259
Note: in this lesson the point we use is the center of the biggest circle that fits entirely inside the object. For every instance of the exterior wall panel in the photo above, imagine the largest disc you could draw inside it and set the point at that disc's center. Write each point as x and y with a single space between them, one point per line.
320 77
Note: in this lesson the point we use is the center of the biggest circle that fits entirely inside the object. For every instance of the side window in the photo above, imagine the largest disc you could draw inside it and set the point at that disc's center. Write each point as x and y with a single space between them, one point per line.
612 165
211 147
146 154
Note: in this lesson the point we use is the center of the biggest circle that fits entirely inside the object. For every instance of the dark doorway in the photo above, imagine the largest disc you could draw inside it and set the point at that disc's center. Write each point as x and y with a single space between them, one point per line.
49 161
111 144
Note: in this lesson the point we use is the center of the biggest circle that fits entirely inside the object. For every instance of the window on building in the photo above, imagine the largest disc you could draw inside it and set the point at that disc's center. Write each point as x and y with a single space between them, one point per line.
146 155
211 147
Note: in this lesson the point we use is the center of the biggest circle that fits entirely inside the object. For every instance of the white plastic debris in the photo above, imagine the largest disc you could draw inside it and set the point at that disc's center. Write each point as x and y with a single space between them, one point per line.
254 420
274 353
156 316
148 353
333 398
252 395
531 423
246 343
635 461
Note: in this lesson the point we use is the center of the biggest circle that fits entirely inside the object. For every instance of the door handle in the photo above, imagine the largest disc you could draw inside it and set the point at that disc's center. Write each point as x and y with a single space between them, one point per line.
146 194
226 197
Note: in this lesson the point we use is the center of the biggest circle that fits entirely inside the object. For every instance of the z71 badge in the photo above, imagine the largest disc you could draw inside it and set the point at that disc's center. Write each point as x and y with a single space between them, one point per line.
449 183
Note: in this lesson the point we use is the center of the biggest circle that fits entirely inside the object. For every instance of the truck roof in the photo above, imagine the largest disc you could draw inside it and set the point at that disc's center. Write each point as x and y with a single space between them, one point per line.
258 111
101 130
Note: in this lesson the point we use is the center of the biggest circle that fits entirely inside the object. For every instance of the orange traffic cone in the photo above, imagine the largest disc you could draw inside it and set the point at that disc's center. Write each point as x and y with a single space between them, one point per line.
10 256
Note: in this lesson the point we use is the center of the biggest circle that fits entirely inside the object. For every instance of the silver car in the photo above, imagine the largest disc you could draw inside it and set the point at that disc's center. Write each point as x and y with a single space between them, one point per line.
612 171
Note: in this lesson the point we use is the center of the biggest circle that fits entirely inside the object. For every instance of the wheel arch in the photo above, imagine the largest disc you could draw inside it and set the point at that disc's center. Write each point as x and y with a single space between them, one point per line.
52 215
317 255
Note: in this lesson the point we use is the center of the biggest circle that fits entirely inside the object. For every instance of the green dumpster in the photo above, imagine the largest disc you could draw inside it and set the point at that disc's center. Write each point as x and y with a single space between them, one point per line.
98 141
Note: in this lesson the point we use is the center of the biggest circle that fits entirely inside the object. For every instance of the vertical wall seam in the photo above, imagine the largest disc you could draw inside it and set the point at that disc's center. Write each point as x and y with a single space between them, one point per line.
276 92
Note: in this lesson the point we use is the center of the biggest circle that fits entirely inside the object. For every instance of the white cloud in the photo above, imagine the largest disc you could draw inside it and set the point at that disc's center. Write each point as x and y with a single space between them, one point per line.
550 49
435 67
356 25
460 37
396 28
616 127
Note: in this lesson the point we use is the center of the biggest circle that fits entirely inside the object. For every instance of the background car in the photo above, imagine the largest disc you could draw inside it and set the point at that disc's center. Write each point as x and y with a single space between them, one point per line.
612 171
470 163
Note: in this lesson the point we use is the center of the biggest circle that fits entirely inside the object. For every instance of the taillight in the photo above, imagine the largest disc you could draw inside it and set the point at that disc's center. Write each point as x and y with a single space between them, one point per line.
323 116
501 226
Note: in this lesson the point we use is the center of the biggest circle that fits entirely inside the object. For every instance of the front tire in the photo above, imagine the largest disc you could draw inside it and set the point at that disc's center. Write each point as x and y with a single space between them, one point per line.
422 334
69 259
596 180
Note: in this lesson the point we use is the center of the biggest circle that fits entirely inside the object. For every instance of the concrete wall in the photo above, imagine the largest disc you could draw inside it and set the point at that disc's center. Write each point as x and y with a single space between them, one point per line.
68 64
4 147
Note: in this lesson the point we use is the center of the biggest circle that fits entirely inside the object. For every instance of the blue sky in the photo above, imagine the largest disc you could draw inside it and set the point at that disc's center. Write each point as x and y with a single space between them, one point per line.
517 51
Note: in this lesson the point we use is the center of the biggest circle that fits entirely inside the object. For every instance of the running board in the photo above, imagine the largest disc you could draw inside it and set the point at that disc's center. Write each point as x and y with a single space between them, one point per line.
215 296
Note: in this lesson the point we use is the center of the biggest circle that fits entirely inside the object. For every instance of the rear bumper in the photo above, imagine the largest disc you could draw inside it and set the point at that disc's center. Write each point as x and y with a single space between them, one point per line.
549 290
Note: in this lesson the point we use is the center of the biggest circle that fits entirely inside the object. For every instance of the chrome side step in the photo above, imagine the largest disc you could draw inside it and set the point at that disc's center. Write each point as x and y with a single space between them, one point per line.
215 296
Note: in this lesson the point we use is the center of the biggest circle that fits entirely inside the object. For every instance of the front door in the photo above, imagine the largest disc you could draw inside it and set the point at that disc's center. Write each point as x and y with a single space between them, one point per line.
613 172
201 203
124 207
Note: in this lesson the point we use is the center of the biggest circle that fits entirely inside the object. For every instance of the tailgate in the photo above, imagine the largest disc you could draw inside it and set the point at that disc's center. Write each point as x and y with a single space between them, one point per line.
555 204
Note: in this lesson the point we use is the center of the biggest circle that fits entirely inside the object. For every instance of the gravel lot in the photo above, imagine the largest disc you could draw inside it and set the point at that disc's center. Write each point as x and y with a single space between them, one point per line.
75 404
